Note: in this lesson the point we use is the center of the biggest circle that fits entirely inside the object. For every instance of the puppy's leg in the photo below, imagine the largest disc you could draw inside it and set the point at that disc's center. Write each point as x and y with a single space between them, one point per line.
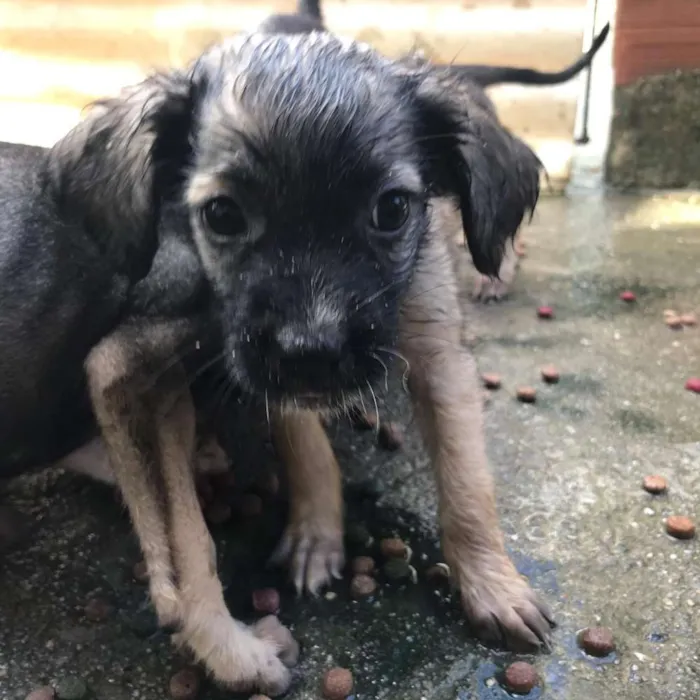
124 422
241 657
313 540
447 398
491 289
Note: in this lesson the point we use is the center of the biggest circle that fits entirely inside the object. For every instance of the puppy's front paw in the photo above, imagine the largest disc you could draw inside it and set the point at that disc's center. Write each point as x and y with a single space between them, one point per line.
490 289
313 549
500 604
240 657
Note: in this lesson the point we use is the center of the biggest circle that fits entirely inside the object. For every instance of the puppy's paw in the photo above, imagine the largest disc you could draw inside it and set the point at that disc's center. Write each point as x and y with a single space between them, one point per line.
489 289
239 657
500 604
211 458
166 601
314 552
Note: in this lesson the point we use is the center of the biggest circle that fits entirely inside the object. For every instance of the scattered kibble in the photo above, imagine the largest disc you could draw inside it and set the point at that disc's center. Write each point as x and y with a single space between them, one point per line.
337 684
45 693
655 484
71 688
545 312
673 322
140 572
693 384
218 512
358 534
521 678
390 436
266 600
628 296
259 697
363 565
680 527
363 420
397 569
97 610
526 394
597 641
393 547
491 381
184 685
550 374
438 572
251 505
689 319
362 586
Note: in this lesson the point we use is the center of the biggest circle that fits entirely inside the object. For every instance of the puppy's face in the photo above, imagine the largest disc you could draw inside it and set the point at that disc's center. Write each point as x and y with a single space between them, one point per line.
307 165
308 206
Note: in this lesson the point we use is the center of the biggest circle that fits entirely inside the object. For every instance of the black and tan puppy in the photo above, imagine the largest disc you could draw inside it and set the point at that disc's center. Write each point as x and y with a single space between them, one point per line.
290 199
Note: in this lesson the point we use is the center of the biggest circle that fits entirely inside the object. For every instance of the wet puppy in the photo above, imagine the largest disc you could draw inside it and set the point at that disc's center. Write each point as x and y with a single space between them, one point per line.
284 203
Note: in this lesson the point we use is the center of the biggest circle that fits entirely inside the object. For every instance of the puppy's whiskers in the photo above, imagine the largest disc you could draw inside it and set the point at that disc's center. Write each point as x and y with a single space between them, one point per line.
376 357
373 297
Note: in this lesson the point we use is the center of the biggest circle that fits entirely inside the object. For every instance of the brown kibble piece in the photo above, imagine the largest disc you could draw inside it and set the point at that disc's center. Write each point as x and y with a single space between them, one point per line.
390 436
184 685
655 484
673 322
491 381
140 572
337 684
393 548
526 394
438 573
97 610
45 693
362 586
363 565
521 678
218 512
689 319
251 505
597 641
680 527
550 374
259 697
266 600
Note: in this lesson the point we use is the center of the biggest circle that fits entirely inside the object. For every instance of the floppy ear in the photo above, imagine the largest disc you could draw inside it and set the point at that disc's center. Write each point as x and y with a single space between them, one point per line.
110 173
471 156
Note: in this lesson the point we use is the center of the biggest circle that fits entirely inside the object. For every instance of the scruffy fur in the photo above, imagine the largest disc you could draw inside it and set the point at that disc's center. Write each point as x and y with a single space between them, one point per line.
283 205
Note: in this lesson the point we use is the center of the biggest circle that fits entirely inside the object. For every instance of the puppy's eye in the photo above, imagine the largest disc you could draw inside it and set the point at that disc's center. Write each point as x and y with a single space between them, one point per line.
391 211
224 217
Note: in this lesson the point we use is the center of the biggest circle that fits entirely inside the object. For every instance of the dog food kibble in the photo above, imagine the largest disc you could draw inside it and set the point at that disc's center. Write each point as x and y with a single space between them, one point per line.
140 572
390 436
545 312
673 322
358 535
550 374
689 319
693 384
438 573
97 610
393 548
218 512
259 697
337 684
397 569
45 693
526 394
597 641
521 678
655 484
71 688
363 565
266 600
362 586
491 381
680 527
184 685
628 296
251 505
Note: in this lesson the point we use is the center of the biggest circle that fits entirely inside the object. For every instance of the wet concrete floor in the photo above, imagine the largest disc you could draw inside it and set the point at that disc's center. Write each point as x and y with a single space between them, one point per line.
568 468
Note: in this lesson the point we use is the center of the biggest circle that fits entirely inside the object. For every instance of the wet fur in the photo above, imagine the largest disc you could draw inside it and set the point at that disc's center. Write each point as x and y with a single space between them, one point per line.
103 234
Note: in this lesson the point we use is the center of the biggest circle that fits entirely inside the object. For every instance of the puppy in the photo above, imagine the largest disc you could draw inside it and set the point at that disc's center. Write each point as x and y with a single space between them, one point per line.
283 205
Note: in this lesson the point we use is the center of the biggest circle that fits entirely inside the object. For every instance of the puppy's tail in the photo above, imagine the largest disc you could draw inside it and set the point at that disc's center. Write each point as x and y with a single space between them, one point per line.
310 8
493 75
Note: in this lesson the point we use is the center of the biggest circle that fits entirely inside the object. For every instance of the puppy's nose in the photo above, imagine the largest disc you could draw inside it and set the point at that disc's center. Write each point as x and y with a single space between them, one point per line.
308 359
